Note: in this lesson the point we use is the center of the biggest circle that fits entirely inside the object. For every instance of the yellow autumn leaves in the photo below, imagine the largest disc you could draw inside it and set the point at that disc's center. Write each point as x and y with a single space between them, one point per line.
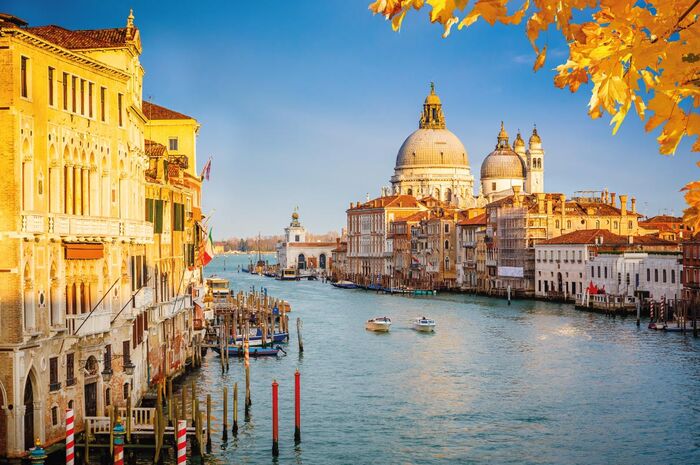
641 55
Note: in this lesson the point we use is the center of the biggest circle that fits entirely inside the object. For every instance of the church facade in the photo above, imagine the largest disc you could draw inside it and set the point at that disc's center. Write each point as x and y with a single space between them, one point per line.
294 252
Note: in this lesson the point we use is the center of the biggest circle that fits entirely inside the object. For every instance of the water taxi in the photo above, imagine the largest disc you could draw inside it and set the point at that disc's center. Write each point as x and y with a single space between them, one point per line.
423 324
380 324
288 274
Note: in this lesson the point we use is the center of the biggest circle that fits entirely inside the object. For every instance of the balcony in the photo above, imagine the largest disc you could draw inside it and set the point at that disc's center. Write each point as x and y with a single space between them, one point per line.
144 298
90 226
166 310
82 326
33 224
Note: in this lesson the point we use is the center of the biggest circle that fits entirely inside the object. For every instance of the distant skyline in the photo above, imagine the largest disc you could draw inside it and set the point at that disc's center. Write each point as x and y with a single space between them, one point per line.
307 103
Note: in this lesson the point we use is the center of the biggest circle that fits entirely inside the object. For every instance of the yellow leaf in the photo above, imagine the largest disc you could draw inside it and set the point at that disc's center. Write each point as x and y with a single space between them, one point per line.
539 61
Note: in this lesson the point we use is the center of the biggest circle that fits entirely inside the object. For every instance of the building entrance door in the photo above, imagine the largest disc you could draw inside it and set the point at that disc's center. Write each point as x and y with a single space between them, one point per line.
91 400
28 414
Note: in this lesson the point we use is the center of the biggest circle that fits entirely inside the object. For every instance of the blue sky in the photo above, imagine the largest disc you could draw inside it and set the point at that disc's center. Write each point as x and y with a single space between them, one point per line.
305 103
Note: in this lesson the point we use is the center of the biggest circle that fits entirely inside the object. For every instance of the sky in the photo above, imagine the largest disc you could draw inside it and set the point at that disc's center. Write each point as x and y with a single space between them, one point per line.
306 103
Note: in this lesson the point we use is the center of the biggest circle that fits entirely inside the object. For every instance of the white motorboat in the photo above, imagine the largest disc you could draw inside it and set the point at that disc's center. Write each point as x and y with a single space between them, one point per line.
424 325
381 324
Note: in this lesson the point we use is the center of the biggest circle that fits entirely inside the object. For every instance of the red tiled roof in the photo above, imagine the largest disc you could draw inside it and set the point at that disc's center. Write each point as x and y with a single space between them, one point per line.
154 112
395 201
83 39
664 219
587 236
479 220
153 148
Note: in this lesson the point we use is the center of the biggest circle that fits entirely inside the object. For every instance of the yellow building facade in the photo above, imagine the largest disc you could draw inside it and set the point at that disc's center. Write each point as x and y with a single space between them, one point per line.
77 268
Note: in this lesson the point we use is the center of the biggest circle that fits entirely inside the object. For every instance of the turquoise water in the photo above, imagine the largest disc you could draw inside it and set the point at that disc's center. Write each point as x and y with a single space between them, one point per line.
533 383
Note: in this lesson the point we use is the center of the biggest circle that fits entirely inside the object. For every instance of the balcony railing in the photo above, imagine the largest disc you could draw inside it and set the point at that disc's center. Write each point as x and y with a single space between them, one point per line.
97 323
144 298
94 226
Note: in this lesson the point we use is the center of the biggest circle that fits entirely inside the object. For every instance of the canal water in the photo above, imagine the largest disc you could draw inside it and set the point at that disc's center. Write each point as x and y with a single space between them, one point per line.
530 383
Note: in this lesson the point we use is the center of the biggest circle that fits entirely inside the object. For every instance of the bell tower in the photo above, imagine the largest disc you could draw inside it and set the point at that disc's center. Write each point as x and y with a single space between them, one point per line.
534 180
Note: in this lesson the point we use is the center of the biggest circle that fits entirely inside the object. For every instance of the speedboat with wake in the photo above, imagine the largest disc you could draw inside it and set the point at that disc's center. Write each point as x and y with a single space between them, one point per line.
379 324
423 324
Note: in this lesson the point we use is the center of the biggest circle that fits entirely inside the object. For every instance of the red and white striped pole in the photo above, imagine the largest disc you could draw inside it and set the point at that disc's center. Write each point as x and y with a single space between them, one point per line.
181 442
70 438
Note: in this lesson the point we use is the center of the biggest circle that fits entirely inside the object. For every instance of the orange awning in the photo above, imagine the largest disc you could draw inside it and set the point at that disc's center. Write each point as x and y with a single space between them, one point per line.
84 251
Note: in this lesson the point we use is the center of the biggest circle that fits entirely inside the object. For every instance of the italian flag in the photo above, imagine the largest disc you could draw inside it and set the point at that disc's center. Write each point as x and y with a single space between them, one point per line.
206 249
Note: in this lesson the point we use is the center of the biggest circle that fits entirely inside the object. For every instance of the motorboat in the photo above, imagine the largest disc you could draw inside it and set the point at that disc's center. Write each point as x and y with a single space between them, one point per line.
257 351
380 324
424 325
345 285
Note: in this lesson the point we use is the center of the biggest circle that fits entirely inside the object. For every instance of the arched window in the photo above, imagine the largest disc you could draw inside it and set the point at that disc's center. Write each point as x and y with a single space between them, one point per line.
322 261
447 245
556 224
447 263
615 224
108 397
597 224
568 224
448 194
409 191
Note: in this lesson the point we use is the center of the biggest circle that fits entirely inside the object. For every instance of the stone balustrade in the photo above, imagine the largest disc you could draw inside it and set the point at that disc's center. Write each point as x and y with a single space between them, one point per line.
97 323
86 226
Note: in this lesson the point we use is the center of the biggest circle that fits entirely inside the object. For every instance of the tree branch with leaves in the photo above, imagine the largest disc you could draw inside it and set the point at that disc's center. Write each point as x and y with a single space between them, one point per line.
644 55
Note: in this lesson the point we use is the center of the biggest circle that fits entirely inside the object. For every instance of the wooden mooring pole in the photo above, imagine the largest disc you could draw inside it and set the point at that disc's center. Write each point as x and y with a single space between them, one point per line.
225 417
234 430
301 342
209 423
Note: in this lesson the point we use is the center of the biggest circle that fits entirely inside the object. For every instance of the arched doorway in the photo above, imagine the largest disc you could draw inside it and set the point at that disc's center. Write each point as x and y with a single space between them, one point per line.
560 285
322 261
301 262
3 424
28 413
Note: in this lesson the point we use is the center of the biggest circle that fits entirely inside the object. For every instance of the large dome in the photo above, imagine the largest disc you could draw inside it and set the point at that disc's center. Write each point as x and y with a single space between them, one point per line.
502 163
432 147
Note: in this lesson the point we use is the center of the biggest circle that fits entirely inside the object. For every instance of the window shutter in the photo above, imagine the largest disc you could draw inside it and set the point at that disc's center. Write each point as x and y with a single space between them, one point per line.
158 223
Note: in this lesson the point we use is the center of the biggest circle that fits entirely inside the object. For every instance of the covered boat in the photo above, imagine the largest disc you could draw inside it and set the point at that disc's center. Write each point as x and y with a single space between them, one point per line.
255 351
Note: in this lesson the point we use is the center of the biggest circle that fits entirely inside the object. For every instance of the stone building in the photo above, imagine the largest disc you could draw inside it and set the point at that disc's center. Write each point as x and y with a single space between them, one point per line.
368 259
74 255
295 252
471 256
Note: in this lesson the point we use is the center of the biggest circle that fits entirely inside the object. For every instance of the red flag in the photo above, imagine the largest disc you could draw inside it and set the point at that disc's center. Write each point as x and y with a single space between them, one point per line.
206 170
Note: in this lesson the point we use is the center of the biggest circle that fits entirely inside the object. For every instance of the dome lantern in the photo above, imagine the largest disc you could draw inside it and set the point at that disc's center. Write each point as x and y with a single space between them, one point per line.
432 116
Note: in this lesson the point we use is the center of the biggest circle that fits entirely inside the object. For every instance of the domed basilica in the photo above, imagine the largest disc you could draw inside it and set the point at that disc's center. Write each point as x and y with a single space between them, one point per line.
432 161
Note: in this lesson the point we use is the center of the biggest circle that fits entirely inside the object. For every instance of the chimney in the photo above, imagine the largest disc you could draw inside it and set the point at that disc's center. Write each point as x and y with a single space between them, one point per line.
633 207
612 199
623 205
352 205
540 202
562 199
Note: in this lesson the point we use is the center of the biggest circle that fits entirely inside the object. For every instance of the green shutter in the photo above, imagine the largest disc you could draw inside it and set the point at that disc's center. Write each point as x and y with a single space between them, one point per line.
149 210
158 223
178 217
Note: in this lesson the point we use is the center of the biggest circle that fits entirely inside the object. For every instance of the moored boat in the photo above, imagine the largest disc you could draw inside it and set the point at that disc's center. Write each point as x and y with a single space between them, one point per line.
379 324
424 325
288 274
345 285
254 351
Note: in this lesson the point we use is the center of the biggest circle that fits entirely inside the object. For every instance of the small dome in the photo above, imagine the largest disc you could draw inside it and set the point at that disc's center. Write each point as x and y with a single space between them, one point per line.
519 142
503 163
432 98
535 138
295 216
432 147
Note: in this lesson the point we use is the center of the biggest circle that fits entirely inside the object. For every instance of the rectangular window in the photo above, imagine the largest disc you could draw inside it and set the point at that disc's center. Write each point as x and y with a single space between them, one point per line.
173 144
103 102
24 77
126 349
90 91
673 276
605 272
54 384
51 86
663 274
648 274
70 377
74 95
656 275
82 96
120 102
65 91
599 271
